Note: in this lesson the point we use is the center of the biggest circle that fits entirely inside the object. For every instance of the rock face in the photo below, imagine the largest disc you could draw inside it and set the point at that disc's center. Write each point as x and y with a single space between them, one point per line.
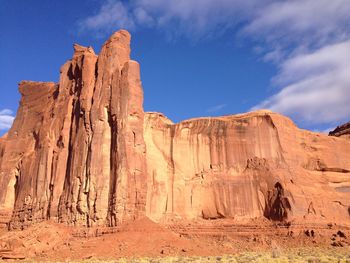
76 151
252 165
83 152
341 131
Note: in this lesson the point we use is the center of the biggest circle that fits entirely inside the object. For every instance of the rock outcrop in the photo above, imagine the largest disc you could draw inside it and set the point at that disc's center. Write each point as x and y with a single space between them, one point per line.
83 152
76 151
341 131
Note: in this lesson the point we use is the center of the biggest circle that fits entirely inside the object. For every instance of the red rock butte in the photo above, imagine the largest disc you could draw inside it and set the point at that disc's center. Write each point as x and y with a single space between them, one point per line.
83 152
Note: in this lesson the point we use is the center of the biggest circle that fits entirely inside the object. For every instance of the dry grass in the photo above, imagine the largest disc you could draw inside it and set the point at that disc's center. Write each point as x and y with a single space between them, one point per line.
307 255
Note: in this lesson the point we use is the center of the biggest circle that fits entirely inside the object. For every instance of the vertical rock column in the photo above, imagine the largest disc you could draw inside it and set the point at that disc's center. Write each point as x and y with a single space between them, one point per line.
76 151
26 167
106 164
74 202
128 175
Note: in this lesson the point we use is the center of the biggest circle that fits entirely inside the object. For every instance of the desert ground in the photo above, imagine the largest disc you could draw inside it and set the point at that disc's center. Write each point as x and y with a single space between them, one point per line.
204 241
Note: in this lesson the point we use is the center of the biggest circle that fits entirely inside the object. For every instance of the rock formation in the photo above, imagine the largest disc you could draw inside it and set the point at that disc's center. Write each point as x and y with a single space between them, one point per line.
76 151
341 131
251 165
83 152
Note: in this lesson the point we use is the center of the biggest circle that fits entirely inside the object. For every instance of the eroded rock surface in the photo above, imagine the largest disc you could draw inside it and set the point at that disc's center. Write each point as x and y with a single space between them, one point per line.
341 131
251 165
83 152
76 151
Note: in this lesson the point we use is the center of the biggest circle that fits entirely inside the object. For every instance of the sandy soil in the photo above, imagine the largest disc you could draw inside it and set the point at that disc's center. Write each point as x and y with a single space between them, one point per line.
49 241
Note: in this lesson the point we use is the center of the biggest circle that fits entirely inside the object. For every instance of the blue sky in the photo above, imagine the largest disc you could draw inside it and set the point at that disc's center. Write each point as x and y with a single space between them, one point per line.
198 58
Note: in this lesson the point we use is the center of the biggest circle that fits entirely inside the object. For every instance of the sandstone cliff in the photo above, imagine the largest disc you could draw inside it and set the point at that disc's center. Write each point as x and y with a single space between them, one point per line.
83 152
252 165
76 151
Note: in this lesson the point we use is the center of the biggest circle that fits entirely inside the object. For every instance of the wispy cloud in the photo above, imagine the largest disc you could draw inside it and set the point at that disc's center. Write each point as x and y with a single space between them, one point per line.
216 108
314 38
112 14
307 40
313 21
6 119
316 86
181 17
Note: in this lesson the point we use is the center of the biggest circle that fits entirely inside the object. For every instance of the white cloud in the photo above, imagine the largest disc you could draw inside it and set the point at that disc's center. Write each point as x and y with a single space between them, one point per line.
319 19
313 77
6 119
332 57
112 15
312 21
317 86
216 108
6 112
307 40
185 17
142 17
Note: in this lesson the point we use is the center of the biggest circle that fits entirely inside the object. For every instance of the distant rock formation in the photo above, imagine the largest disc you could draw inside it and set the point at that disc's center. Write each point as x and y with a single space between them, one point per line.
341 131
83 152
